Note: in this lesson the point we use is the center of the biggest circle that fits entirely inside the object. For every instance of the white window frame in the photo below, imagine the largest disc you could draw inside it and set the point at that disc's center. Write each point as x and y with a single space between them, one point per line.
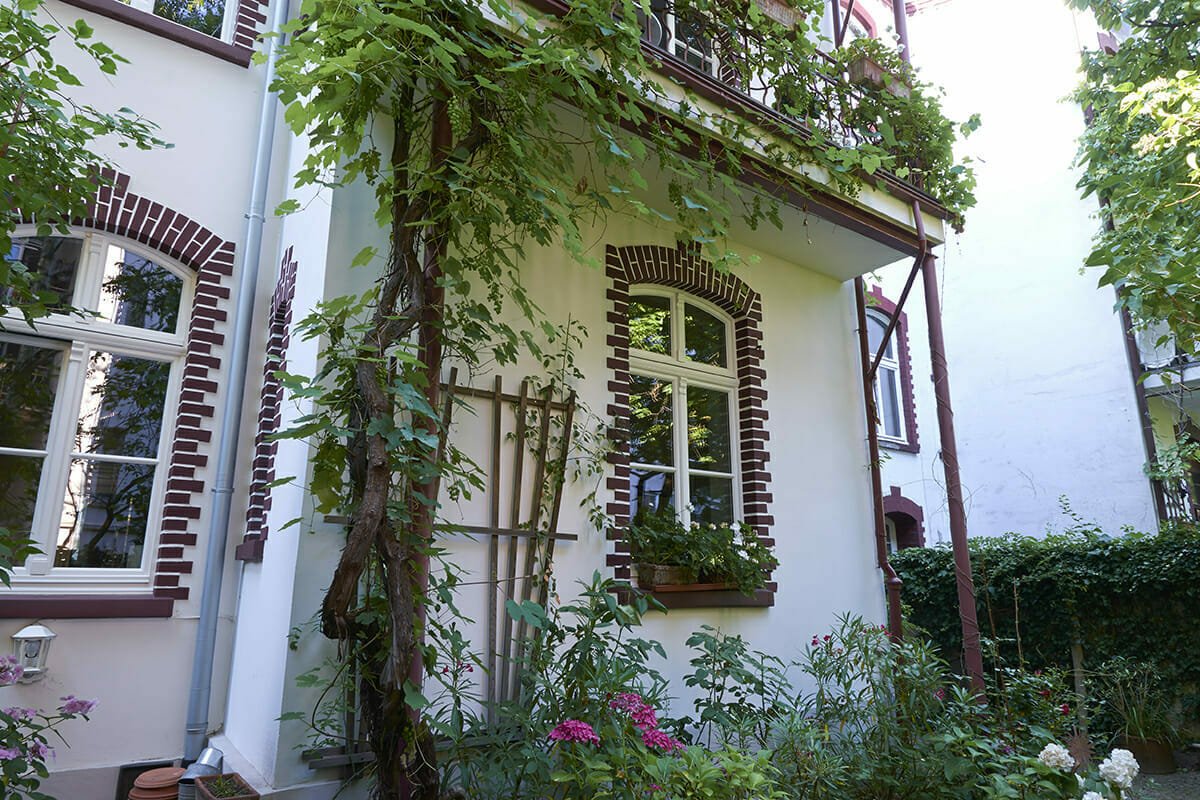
681 372
889 363
78 336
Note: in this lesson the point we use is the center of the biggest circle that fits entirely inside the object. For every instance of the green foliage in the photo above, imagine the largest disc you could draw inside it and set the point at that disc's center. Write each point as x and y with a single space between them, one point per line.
711 553
1139 154
1131 597
47 138
1137 697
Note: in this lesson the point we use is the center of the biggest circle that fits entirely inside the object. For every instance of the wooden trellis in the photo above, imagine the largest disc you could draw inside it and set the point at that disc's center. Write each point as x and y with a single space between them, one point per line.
520 544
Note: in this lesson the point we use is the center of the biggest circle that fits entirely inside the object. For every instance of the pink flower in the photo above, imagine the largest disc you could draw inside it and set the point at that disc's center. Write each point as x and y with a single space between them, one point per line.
1065 709
572 730
21 714
639 711
9 753
73 705
940 694
657 740
10 671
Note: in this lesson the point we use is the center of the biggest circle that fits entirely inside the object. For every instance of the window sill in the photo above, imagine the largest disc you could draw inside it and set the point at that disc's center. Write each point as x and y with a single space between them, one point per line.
83 606
707 598
903 447
113 9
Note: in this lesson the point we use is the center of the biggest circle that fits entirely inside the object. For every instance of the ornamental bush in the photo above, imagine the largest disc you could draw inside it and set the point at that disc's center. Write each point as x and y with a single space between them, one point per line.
1131 597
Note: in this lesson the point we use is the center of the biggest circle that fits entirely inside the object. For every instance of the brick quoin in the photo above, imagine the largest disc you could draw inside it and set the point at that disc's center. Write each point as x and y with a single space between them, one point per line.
681 267
263 465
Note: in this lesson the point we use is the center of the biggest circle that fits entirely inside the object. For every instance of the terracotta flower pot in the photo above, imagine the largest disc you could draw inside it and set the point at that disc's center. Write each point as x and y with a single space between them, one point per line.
651 575
1153 756
781 11
205 788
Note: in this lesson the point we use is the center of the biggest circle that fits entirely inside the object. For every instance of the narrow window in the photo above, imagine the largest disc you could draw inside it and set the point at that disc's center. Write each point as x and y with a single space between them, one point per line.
889 399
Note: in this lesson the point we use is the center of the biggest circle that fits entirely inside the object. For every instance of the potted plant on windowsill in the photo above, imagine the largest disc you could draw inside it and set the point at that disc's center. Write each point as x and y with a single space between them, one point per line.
870 63
224 787
670 556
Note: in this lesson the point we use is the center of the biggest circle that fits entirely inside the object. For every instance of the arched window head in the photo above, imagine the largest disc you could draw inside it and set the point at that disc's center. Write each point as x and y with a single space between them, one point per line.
683 405
86 401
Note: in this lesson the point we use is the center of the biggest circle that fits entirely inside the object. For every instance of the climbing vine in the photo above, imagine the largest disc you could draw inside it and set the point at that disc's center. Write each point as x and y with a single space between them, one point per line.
485 130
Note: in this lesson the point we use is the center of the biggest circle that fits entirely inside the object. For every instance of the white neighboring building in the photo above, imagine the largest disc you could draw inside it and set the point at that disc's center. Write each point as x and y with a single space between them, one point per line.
1044 399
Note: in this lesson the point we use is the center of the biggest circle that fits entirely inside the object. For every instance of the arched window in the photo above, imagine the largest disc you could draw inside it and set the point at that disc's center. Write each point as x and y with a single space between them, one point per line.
87 402
889 398
683 447
860 25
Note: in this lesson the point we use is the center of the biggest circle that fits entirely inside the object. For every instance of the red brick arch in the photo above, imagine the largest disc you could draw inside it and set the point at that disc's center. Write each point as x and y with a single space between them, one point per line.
682 267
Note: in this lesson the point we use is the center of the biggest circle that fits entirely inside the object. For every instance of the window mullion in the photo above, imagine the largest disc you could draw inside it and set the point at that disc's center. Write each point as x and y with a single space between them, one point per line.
682 489
60 443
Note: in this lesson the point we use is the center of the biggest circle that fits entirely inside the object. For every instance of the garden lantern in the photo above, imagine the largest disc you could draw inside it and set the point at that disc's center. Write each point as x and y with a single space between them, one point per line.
32 647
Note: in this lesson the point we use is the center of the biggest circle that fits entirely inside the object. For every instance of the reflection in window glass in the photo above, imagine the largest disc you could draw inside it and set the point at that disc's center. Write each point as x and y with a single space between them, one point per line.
28 383
650 324
54 261
205 16
18 491
123 400
875 330
651 491
104 516
709 445
137 292
650 421
704 337
890 402
711 499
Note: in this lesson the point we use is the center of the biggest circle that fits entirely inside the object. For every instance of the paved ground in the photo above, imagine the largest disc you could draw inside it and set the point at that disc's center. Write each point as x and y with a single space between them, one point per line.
1180 786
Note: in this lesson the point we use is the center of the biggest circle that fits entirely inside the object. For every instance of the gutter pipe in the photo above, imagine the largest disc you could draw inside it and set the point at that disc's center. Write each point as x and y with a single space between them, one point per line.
200 690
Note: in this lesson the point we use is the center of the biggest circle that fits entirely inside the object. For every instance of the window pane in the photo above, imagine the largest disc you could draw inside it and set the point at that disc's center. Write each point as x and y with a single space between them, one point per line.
708 429
136 291
205 16
889 411
704 337
28 383
18 491
712 499
875 330
650 421
55 261
123 399
650 324
104 516
652 492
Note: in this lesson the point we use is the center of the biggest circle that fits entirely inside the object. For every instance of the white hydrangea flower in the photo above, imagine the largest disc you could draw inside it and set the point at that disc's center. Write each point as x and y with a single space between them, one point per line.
1092 796
1119 769
1056 756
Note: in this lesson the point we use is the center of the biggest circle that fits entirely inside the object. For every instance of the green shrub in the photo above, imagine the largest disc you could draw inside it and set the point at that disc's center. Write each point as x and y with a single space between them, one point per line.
1132 597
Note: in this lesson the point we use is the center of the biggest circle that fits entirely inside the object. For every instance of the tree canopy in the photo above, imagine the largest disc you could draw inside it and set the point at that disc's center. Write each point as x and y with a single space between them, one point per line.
1141 156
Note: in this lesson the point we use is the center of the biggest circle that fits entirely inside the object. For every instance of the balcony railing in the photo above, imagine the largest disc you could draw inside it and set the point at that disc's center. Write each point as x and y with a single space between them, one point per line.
818 97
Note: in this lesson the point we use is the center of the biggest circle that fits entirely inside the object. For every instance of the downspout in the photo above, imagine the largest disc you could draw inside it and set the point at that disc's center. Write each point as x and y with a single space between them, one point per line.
1134 359
200 691
891 580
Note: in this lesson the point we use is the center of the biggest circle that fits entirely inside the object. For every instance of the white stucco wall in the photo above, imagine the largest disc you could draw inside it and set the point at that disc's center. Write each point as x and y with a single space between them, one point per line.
139 669
1043 401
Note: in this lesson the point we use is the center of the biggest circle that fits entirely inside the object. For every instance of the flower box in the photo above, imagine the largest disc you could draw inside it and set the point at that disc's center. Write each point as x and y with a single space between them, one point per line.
690 587
780 11
865 71
652 576
224 787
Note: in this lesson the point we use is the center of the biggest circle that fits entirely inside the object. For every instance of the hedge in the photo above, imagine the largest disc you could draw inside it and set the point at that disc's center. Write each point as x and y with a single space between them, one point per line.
1135 595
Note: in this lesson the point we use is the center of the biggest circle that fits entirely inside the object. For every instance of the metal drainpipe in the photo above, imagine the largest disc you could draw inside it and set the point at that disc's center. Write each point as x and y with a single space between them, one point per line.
200 691
891 580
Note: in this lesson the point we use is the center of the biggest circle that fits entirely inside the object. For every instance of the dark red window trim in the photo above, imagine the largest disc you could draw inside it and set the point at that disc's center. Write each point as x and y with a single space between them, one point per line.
681 267
66 606
863 17
912 443
249 17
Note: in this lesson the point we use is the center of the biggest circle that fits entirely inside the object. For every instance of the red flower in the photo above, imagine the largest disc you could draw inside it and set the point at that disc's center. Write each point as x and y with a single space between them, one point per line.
1065 709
